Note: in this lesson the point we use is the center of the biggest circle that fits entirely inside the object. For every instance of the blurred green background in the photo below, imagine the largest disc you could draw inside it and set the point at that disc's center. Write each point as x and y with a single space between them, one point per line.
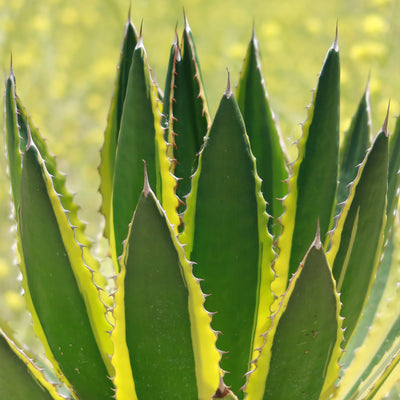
65 54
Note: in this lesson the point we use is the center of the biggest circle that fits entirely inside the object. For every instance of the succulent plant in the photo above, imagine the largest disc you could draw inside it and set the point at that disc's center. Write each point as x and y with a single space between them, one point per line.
236 273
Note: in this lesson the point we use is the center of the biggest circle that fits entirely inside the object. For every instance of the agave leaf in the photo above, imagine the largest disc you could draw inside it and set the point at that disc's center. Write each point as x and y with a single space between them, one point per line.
20 378
58 285
312 188
140 138
12 138
378 343
154 289
388 263
394 177
111 133
384 275
354 147
306 334
358 238
225 233
24 127
265 141
186 112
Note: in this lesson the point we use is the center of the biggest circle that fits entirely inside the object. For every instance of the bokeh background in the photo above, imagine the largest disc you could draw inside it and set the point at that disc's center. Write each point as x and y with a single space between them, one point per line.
64 55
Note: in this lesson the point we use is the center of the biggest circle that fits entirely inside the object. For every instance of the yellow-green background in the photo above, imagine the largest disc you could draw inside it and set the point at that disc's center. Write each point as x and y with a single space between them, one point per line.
65 53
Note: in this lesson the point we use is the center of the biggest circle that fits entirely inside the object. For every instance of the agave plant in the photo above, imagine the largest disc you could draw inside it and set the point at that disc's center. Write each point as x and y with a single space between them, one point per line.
236 274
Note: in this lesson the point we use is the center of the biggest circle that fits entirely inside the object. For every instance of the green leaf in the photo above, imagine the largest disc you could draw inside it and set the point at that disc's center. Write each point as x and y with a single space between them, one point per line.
137 141
358 238
383 277
225 233
306 334
155 300
12 138
265 142
394 177
312 187
27 129
57 284
376 339
111 133
19 377
186 112
354 147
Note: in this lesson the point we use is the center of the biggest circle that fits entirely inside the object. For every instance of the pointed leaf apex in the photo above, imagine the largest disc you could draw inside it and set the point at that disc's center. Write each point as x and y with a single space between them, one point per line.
130 13
11 66
187 26
385 123
29 142
335 45
176 38
317 241
140 39
146 185
228 91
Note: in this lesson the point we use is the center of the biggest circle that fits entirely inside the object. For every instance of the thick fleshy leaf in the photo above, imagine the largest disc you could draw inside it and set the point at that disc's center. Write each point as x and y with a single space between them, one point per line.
387 264
20 379
312 188
306 334
155 292
111 133
226 235
12 138
186 112
355 145
368 358
384 275
25 128
394 177
265 142
358 238
58 285
140 138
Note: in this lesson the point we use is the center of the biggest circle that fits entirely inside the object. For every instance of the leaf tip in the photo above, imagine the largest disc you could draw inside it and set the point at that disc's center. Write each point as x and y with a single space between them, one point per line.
228 91
317 241
187 26
29 141
335 45
146 185
140 38
11 65
385 123
130 13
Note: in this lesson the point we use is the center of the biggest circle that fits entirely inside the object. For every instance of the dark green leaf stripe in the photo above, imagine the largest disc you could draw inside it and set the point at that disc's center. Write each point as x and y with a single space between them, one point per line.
158 328
263 135
52 288
308 333
227 244
136 142
111 133
358 238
